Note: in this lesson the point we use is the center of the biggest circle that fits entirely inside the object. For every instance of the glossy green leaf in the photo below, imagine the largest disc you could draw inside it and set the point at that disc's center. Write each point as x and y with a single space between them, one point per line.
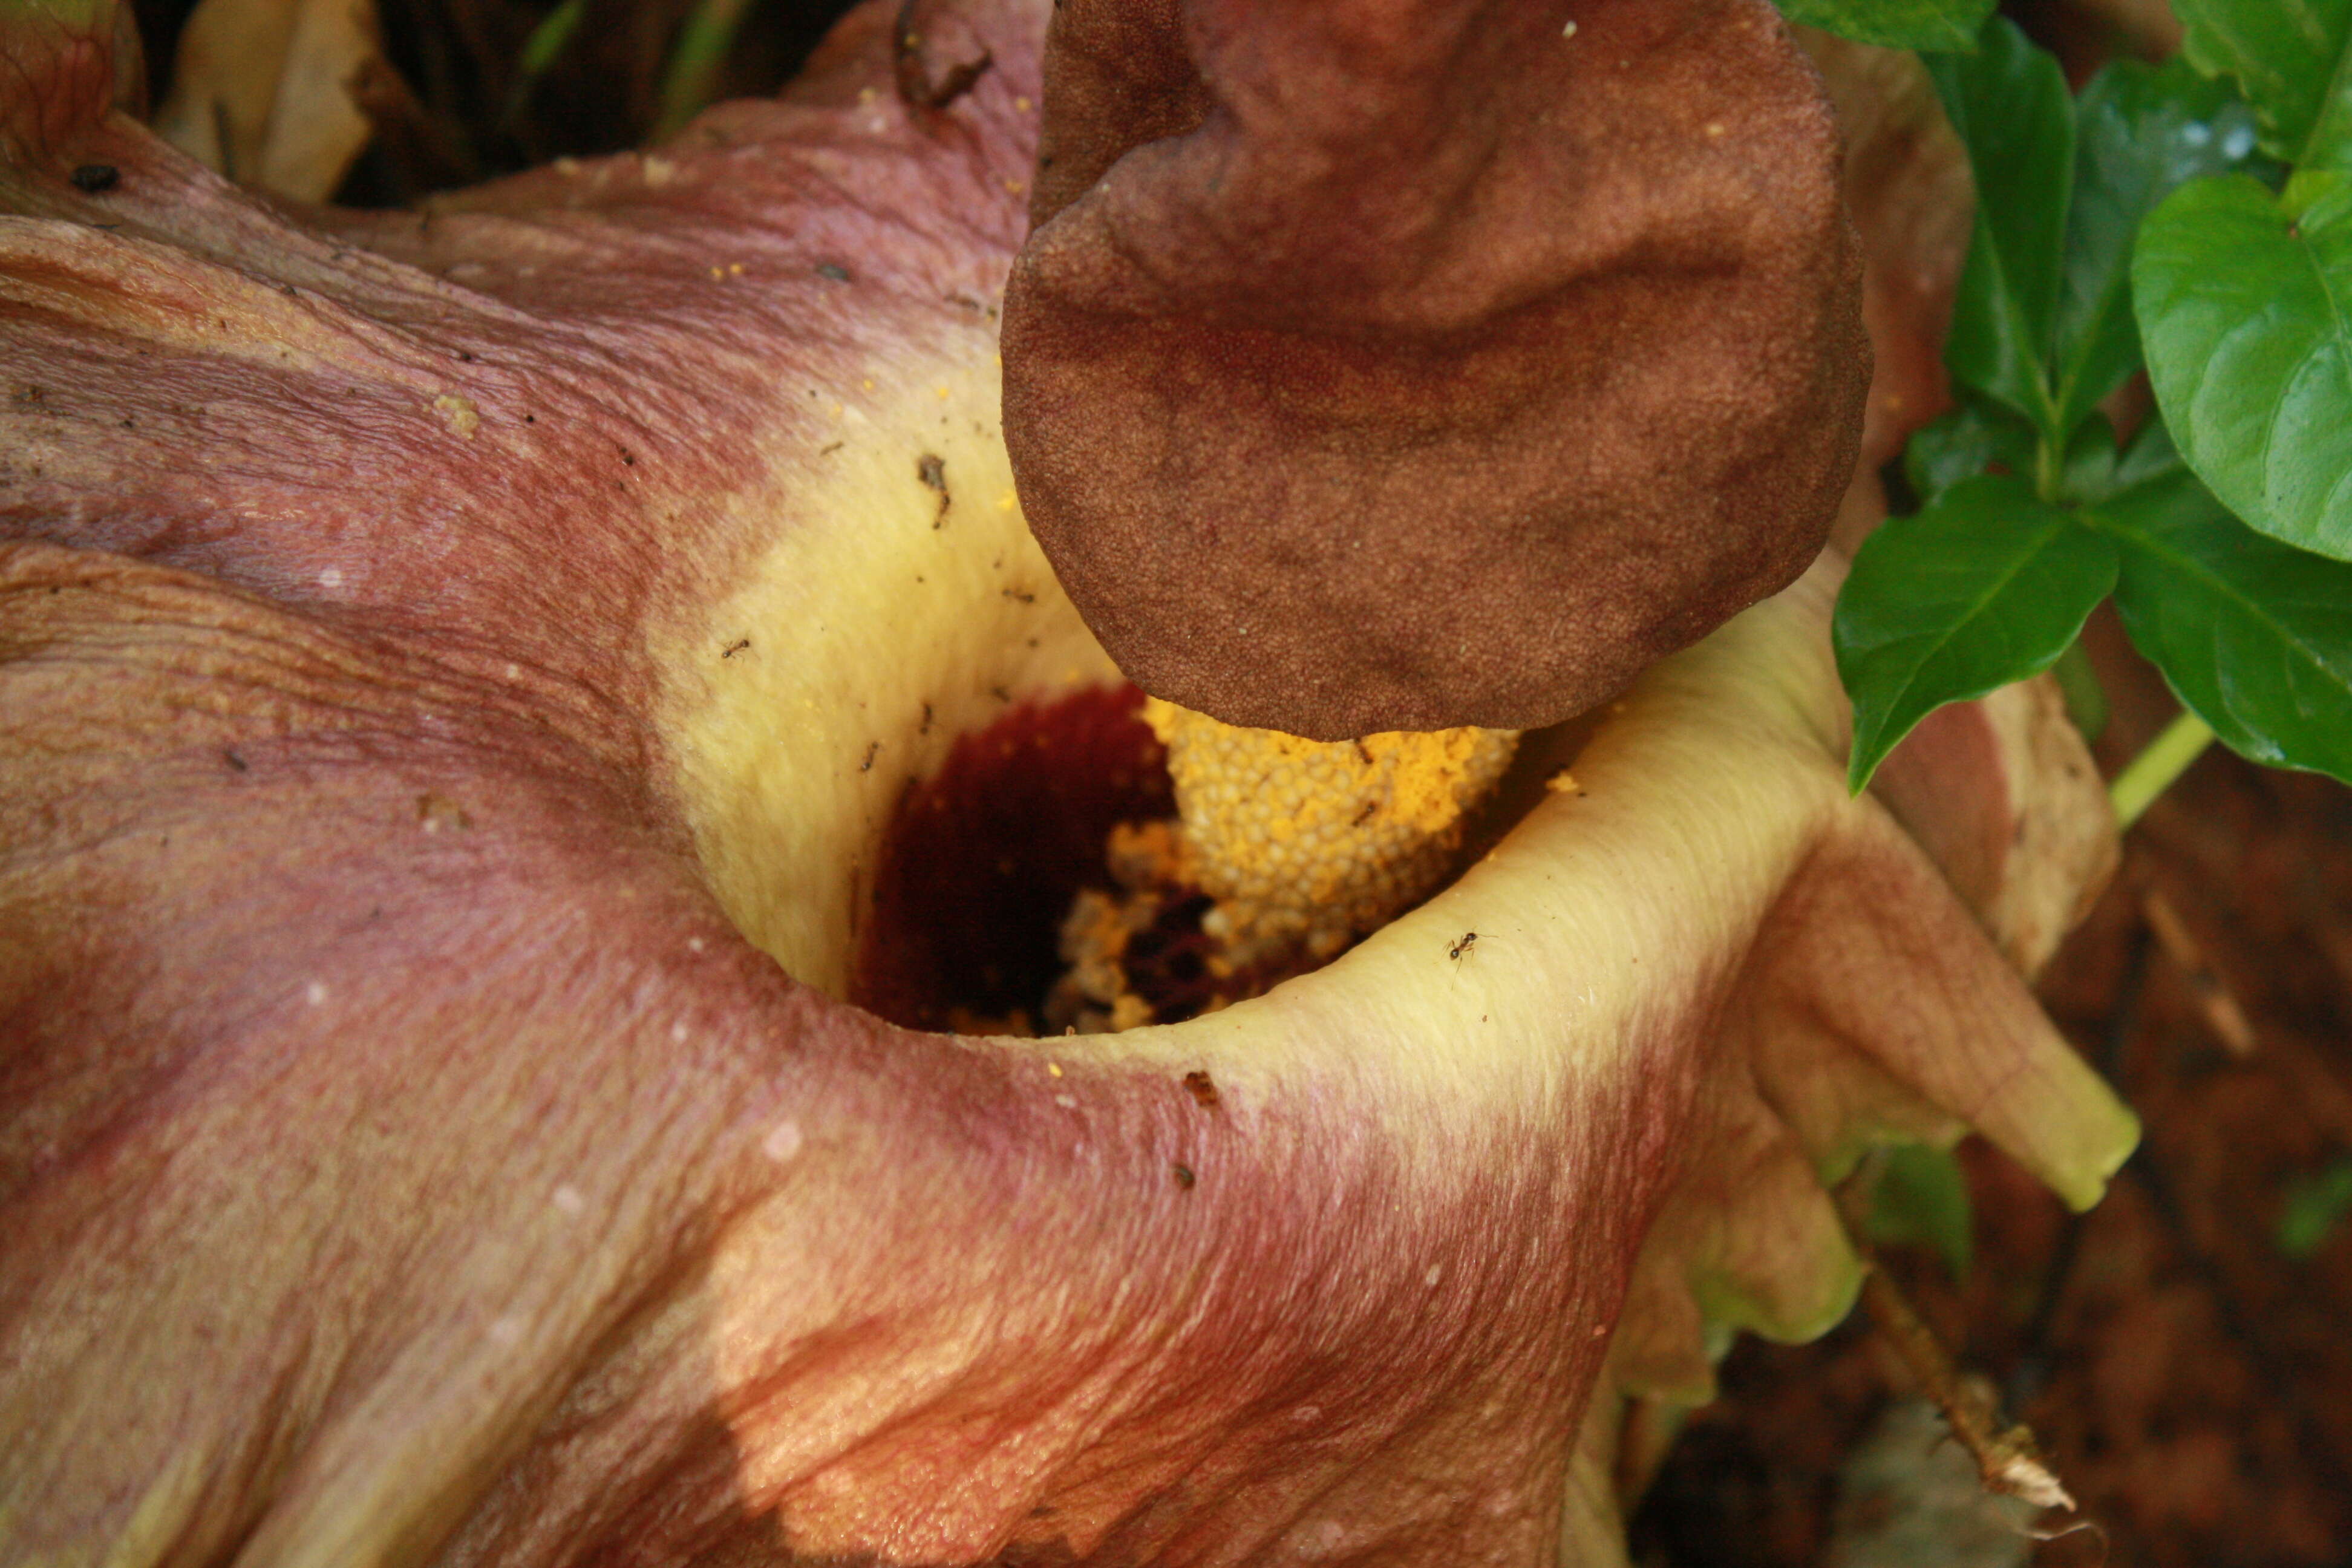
2010 104
2289 57
1920 1198
2141 133
1985 586
1976 436
1898 23
2246 312
2255 639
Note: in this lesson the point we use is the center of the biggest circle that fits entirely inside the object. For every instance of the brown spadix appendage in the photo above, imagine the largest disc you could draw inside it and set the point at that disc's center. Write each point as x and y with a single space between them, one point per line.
1402 366
462 674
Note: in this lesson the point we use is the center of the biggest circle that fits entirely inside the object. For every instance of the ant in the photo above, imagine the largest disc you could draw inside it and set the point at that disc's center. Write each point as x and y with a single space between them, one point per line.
1458 951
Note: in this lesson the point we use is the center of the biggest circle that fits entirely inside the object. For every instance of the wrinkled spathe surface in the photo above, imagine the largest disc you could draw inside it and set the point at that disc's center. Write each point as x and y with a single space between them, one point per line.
1405 367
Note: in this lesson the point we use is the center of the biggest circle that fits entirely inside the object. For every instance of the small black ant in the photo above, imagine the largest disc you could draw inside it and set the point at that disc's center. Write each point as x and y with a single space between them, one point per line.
1461 950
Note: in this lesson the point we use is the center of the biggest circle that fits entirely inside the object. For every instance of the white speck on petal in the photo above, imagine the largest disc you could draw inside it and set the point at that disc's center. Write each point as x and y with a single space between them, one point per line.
514 672
507 1330
569 1200
694 944
782 1142
1436 1272
1307 1414
332 577
678 1033
1067 1102
1569 31
315 993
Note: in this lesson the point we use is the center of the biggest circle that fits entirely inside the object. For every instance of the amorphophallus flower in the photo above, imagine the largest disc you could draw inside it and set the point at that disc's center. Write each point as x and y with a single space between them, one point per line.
509 714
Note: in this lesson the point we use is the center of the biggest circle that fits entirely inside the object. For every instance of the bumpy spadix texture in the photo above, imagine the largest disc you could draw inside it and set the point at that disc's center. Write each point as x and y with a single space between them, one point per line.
1305 844
456 672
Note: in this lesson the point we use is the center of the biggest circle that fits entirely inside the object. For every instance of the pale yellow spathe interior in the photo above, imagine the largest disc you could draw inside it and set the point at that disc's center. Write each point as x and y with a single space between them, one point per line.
889 616
849 663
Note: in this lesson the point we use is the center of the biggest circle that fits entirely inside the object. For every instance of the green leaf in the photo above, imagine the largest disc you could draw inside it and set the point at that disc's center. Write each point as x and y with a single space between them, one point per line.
2141 134
690 79
2088 472
1921 1199
1964 443
550 38
2255 639
1896 24
2246 311
2312 1209
2289 57
1985 586
2151 453
2078 683
2010 104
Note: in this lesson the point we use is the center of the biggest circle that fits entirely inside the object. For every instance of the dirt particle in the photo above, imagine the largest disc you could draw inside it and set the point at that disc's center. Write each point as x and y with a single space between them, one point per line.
1184 1177
872 747
833 271
92 179
228 755
439 814
932 469
1203 1089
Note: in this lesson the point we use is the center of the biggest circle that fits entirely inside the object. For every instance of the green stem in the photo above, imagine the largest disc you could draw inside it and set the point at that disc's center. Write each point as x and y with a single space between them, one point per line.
2049 468
2152 772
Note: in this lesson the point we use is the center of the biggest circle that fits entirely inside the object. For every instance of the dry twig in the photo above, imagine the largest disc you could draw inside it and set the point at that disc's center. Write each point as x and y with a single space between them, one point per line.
2009 1462
2215 1002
